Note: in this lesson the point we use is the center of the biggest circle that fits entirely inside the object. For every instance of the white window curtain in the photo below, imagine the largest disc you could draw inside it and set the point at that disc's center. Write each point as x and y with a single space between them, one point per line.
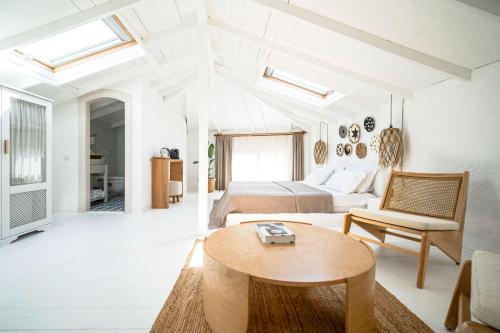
262 158
27 143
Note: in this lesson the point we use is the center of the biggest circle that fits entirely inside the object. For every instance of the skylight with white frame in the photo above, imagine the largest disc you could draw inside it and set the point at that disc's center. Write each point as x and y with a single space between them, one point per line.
298 88
77 43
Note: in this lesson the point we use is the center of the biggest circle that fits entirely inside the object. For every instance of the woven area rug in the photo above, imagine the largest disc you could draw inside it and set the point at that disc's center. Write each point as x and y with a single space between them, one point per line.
279 309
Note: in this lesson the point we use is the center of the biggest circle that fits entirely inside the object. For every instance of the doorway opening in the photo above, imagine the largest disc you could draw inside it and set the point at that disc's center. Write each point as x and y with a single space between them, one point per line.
107 155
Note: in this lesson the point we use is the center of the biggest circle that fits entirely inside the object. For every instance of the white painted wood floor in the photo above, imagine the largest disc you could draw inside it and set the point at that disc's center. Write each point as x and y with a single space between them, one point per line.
110 272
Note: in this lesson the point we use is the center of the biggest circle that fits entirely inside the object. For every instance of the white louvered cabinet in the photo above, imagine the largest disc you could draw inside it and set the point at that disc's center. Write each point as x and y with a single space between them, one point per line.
26 124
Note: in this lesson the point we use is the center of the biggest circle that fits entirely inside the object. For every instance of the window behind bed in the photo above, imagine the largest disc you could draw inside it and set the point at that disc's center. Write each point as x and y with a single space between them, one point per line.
262 158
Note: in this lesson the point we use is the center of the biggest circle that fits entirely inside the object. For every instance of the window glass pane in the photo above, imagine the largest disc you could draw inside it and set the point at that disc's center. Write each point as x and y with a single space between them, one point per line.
72 44
297 81
27 143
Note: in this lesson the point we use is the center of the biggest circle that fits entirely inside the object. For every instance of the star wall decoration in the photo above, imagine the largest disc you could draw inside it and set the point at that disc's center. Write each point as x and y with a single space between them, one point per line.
354 133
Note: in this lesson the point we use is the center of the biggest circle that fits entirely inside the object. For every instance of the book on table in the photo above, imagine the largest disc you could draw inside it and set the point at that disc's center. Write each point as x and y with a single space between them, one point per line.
275 233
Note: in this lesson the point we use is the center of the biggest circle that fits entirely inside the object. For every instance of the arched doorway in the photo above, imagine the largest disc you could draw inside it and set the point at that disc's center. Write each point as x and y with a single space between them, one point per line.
92 152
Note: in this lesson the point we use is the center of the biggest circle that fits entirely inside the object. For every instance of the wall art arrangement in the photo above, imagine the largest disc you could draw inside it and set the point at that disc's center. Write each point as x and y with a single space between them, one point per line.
321 146
353 135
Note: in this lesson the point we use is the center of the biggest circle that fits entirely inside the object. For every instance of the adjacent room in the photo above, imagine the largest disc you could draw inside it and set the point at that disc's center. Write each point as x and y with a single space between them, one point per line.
250 166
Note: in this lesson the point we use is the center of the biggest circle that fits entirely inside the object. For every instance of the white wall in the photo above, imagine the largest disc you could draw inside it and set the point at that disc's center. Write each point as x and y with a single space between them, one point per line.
154 125
65 157
192 169
454 126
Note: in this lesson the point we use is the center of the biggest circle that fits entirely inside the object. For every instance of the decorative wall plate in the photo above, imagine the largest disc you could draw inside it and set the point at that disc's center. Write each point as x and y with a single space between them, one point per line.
375 143
354 133
361 150
369 124
340 149
342 131
347 149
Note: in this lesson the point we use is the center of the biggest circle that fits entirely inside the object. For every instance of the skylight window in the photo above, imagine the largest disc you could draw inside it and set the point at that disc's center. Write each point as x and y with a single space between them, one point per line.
298 88
297 82
77 43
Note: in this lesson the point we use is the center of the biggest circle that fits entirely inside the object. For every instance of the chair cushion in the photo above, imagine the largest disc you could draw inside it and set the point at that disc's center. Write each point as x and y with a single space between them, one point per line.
485 288
405 220
175 187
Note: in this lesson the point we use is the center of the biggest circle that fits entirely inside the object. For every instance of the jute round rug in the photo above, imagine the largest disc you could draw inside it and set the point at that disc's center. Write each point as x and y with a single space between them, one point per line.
280 309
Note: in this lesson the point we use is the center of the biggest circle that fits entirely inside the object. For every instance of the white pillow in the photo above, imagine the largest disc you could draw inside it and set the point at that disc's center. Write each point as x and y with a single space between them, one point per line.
345 181
318 176
367 183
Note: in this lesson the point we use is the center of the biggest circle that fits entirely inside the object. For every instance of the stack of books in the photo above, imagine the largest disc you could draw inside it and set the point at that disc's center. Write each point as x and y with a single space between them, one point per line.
275 233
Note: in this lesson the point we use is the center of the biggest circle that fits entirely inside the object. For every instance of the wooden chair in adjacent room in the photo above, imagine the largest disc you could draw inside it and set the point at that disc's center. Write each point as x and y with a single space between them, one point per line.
430 206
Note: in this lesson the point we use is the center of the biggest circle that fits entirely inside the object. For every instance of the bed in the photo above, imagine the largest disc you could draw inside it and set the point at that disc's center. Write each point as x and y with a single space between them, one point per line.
291 201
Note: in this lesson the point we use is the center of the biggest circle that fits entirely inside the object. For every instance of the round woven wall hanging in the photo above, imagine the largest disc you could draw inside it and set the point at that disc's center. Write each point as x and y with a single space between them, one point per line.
340 149
361 150
375 143
347 149
369 124
354 133
320 152
342 131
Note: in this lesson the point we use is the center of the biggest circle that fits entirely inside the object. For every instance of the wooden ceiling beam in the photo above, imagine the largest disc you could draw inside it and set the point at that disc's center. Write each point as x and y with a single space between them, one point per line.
445 67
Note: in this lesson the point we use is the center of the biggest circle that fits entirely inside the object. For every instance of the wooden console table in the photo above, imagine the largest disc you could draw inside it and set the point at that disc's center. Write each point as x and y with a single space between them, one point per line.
163 170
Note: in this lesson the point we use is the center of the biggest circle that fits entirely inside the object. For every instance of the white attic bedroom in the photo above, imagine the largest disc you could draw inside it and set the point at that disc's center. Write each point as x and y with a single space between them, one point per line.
368 129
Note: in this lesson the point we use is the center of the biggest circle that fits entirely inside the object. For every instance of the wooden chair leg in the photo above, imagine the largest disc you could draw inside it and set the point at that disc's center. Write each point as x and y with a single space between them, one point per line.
456 312
347 223
422 263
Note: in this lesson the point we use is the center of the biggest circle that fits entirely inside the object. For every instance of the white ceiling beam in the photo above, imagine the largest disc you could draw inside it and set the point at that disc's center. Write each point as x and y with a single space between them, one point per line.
189 23
205 37
311 59
180 85
338 27
103 10
181 90
170 78
118 123
181 54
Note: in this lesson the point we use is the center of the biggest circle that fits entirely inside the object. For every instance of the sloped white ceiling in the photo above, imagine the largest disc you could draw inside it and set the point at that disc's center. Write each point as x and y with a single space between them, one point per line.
454 33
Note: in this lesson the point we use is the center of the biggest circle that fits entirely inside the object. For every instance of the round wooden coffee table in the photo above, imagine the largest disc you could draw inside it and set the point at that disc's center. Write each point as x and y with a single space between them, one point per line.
234 255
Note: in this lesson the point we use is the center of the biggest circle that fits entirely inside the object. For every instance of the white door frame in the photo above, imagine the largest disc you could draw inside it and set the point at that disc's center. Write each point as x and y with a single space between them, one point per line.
84 144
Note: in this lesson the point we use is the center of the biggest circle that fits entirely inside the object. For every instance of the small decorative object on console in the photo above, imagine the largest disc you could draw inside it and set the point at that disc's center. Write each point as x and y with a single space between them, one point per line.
275 233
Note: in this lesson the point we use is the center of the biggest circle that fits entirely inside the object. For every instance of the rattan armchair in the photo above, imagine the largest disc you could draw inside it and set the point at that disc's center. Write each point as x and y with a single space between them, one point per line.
430 206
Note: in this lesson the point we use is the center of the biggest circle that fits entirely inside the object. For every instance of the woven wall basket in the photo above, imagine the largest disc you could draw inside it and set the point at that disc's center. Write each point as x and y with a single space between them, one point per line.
391 148
320 152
